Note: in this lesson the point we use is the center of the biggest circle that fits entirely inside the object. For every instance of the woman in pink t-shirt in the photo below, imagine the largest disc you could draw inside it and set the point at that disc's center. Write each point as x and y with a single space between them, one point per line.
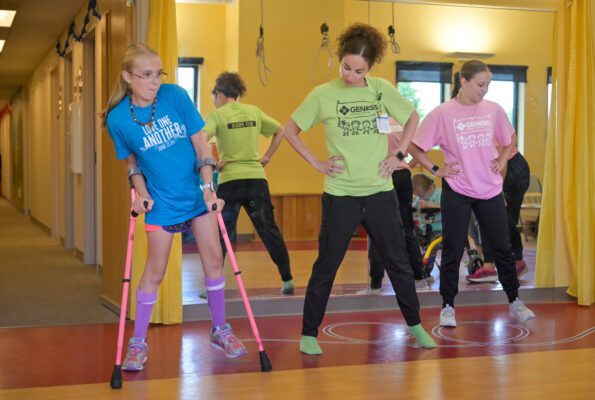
467 129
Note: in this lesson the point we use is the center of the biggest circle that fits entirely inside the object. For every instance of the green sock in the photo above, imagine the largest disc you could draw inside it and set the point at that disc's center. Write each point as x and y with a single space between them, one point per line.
422 337
309 345
288 287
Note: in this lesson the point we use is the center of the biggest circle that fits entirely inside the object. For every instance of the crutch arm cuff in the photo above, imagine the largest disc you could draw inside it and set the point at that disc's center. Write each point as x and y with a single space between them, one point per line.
207 161
131 172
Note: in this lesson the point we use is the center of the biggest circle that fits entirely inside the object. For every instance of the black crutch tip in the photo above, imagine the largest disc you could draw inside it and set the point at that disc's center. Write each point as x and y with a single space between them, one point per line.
265 363
116 382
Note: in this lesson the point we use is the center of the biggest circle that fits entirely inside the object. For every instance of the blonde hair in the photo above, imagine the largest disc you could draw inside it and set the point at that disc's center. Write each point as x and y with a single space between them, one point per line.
422 180
121 89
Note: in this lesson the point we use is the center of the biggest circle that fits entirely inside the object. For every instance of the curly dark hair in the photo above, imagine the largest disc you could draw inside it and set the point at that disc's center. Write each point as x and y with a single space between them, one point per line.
363 40
230 84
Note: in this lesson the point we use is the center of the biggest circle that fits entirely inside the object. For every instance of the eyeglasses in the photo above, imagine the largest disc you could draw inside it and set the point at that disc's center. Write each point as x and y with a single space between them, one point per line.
149 75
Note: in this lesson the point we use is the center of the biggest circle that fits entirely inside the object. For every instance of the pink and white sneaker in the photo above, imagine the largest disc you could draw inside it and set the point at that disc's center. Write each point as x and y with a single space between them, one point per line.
136 354
222 338
482 275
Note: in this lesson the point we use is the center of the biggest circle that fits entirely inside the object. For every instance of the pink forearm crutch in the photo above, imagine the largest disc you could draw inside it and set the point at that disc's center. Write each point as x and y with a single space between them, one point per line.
116 382
265 363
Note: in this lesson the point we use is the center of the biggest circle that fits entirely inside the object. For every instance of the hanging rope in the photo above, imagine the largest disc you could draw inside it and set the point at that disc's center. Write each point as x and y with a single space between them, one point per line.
263 69
391 33
325 47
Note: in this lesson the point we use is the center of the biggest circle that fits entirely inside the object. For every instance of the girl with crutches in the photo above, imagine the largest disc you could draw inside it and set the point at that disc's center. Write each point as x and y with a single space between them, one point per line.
354 109
155 128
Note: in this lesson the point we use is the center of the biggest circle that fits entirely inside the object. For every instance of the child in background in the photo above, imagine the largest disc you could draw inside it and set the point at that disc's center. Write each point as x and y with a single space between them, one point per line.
427 196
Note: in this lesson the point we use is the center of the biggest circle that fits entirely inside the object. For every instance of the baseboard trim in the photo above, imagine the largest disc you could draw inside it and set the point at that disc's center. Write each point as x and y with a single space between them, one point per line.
111 305
79 255
281 306
40 225
244 237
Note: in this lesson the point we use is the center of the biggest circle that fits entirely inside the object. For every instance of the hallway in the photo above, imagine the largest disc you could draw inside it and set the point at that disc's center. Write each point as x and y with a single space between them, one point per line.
41 283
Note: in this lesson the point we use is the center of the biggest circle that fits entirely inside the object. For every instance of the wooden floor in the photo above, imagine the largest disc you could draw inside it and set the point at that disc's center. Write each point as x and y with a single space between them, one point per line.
556 375
261 278
366 356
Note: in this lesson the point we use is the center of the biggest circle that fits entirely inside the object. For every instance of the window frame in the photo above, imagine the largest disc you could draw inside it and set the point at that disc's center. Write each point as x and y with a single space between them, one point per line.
195 63
516 74
426 71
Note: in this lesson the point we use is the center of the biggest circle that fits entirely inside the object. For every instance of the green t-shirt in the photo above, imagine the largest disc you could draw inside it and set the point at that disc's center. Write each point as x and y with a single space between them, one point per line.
237 128
349 118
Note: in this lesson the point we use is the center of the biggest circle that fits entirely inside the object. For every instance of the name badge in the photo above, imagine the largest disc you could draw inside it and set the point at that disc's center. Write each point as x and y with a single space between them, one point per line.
382 123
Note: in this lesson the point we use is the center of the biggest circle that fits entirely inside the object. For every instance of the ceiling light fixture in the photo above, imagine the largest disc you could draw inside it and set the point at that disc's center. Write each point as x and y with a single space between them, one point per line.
6 17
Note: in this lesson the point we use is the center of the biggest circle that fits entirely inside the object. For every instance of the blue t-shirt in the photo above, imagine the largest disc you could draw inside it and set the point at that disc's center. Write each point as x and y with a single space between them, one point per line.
164 152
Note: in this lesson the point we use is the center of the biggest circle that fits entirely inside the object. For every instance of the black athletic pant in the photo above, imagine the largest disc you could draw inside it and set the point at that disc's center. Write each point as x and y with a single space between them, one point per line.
492 218
516 184
404 188
379 214
254 196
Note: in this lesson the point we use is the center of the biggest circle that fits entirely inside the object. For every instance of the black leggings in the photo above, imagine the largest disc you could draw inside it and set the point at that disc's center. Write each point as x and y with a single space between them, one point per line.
516 184
379 214
404 188
492 218
254 196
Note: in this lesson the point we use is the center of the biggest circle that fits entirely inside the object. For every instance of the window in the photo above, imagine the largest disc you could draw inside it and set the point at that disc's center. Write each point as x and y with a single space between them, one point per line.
425 84
189 77
508 90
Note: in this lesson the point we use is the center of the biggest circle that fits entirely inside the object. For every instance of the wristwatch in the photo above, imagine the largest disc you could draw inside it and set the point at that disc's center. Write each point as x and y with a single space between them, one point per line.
435 169
210 186
400 156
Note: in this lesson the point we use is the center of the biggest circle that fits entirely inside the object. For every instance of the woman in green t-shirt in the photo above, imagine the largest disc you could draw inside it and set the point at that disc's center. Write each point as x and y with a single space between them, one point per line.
242 180
354 110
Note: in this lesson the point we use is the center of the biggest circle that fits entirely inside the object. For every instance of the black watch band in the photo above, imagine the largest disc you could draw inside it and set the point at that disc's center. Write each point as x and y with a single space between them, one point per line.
400 155
435 169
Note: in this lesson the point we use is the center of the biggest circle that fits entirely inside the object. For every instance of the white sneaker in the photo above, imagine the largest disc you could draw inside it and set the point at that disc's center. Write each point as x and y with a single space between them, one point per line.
421 285
369 290
447 317
519 311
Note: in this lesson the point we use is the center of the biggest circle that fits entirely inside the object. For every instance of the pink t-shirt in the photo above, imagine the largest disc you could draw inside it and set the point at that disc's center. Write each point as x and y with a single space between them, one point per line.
469 135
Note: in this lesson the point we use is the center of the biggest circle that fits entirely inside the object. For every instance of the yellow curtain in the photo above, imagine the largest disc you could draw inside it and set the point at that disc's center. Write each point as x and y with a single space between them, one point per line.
566 244
162 37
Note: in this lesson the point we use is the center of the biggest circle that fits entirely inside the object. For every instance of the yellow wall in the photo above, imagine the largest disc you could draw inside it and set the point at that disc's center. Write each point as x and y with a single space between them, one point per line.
6 177
428 32
201 33
38 137
292 38
425 33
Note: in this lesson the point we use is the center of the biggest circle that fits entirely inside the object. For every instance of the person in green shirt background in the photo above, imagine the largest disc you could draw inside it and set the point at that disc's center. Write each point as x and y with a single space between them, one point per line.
354 110
242 180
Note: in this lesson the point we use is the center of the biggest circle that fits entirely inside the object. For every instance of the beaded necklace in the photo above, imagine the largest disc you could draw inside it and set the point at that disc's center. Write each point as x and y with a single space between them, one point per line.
150 123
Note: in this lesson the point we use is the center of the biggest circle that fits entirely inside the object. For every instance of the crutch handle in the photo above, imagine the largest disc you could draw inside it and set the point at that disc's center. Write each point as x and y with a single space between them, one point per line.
134 213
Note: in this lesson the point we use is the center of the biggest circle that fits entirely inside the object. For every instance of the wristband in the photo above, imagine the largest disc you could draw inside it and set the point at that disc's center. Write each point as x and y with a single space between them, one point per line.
435 169
210 186
400 155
